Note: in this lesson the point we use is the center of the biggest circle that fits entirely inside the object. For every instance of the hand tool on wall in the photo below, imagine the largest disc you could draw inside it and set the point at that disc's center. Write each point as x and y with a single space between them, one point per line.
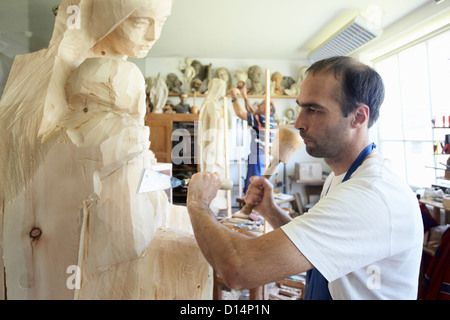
154 181
286 143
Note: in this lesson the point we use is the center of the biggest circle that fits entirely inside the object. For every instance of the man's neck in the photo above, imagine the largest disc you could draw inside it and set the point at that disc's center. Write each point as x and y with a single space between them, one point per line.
342 163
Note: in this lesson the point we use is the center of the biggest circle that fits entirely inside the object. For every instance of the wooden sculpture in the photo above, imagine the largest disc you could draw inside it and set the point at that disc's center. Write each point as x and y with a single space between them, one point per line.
159 94
189 74
74 146
294 89
212 140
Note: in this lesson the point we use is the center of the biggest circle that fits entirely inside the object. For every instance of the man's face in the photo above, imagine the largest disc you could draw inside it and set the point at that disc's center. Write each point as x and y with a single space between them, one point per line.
262 107
183 98
321 123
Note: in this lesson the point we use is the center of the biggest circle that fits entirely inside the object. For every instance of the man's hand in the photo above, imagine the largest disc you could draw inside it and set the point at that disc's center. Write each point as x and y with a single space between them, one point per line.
233 92
203 188
248 105
260 195
243 89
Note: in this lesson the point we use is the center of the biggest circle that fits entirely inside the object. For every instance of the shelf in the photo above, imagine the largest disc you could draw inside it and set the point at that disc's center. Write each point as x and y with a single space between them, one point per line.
432 203
177 117
202 95
310 181
319 181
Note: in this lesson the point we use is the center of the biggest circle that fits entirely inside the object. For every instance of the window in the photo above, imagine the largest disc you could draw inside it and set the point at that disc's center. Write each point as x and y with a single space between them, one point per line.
417 81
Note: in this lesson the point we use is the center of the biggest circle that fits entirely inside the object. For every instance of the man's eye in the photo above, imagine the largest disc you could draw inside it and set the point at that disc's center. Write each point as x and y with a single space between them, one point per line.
312 110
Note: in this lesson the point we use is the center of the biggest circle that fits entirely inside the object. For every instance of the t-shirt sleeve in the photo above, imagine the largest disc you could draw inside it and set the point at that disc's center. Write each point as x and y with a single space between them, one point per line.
345 231
251 120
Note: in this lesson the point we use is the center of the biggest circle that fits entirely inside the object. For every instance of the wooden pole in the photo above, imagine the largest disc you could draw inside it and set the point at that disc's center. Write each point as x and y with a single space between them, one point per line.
195 96
239 172
227 167
267 135
267 131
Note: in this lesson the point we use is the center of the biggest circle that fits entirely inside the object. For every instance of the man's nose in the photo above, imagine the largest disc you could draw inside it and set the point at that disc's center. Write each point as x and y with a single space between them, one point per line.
300 123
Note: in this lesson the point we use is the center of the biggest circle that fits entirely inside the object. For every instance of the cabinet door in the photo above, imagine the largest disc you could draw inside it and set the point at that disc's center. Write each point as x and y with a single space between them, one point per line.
160 138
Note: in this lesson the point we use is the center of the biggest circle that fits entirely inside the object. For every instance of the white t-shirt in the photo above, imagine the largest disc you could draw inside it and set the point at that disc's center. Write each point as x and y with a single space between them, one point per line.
365 235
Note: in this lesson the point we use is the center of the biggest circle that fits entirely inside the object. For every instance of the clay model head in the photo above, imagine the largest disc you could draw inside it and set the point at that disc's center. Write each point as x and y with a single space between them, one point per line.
277 78
255 74
135 35
242 77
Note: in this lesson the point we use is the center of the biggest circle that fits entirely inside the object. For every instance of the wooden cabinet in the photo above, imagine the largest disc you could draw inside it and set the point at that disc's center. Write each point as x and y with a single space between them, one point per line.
161 128
175 132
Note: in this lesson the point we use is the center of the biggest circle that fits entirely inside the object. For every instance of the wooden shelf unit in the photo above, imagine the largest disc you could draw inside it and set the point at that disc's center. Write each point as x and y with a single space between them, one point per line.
202 95
161 129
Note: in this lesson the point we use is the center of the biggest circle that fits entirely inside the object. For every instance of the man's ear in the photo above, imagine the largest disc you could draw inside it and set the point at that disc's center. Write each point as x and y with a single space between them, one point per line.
360 116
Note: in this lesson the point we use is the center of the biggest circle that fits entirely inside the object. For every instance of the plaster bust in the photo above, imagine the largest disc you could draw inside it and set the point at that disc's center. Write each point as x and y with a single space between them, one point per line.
255 74
241 77
173 83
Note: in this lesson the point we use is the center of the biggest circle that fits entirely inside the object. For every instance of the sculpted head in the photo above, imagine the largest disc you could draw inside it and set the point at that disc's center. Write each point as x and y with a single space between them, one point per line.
135 35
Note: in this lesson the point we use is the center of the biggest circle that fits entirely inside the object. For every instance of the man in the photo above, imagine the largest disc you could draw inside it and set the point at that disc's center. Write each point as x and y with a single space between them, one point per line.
364 236
183 106
256 119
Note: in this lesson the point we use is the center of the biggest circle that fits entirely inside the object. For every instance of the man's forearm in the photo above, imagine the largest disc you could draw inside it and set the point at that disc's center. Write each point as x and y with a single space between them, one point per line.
216 241
248 105
276 216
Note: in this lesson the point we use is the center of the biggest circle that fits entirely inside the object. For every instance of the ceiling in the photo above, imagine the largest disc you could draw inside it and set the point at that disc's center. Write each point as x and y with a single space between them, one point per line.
240 29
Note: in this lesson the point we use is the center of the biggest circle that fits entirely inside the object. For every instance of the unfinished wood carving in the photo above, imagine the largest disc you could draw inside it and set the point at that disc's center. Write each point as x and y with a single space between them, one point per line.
212 136
74 146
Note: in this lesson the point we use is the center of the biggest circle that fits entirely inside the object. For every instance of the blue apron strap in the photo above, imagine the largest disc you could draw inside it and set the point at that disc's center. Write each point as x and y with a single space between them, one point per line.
367 150
316 284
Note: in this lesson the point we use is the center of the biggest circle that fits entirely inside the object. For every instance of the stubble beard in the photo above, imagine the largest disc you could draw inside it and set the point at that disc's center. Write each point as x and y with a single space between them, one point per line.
330 145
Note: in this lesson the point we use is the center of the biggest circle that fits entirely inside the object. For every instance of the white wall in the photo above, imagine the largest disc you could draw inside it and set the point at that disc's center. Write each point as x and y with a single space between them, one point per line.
419 23
13 36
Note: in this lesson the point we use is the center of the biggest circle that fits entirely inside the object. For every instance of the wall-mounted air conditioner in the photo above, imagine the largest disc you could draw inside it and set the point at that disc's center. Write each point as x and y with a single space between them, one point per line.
352 36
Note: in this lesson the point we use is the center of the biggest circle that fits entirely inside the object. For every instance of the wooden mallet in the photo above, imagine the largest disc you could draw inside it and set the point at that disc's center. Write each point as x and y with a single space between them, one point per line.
286 143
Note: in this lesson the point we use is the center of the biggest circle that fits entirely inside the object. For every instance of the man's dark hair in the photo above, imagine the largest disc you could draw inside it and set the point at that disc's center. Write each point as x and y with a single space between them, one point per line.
272 109
360 84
